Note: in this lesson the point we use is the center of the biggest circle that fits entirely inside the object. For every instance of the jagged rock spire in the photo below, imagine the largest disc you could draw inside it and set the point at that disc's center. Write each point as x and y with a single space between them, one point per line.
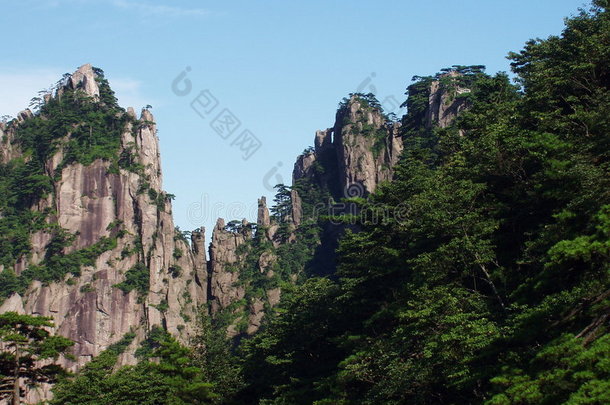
98 203
84 79
263 213
297 210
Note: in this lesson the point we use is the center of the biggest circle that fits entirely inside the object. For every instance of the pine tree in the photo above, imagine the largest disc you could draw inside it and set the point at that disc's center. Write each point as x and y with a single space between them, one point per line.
25 341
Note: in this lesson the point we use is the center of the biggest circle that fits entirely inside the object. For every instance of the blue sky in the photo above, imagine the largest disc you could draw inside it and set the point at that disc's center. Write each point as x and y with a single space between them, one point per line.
279 67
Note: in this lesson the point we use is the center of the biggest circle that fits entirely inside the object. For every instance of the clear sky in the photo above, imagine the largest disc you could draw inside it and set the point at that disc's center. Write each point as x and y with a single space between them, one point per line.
278 67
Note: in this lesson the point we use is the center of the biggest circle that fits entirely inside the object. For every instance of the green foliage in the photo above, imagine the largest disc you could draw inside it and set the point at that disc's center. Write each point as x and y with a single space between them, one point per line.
137 278
85 385
21 184
87 288
367 101
296 347
127 161
481 273
154 338
158 198
175 270
182 235
56 265
92 129
213 354
562 372
172 379
235 226
178 253
163 306
86 130
25 343
282 204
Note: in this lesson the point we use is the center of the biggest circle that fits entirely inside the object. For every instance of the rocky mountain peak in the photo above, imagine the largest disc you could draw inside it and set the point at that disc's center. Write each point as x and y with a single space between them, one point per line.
106 259
263 213
443 105
84 79
323 139
358 152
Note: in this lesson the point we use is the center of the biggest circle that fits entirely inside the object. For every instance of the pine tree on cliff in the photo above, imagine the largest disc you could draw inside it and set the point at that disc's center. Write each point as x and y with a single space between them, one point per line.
25 341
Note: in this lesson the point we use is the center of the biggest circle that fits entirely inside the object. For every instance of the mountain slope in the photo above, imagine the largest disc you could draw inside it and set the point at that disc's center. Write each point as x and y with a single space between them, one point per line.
88 236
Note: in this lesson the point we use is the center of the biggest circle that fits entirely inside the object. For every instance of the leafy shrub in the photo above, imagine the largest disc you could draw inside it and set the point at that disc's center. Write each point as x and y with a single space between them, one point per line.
137 278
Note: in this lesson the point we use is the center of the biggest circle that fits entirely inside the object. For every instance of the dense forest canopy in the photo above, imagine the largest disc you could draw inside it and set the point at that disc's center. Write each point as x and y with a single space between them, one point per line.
481 275
494 289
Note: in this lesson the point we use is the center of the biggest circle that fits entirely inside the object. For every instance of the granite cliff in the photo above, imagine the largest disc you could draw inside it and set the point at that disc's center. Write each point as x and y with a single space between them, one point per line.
350 159
88 236
103 227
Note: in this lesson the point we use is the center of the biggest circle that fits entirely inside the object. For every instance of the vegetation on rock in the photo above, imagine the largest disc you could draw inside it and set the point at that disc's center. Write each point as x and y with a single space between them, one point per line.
480 274
26 344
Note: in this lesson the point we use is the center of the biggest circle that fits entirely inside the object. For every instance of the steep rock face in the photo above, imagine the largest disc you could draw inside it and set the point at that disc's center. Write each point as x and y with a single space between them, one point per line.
8 148
353 157
125 217
84 79
357 154
296 207
223 267
241 255
201 265
367 147
263 218
304 165
348 160
359 151
122 213
443 105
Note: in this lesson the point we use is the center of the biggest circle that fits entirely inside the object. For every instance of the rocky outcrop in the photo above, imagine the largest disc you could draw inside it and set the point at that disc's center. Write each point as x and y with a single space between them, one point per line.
127 213
443 103
296 207
264 220
242 255
224 266
303 167
348 160
255 315
9 149
263 213
367 145
84 79
359 152
353 157
124 216
200 262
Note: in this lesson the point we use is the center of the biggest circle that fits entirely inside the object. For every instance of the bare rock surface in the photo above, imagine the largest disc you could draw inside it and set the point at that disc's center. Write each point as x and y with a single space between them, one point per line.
355 155
84 79
224 261
94 203
443 105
